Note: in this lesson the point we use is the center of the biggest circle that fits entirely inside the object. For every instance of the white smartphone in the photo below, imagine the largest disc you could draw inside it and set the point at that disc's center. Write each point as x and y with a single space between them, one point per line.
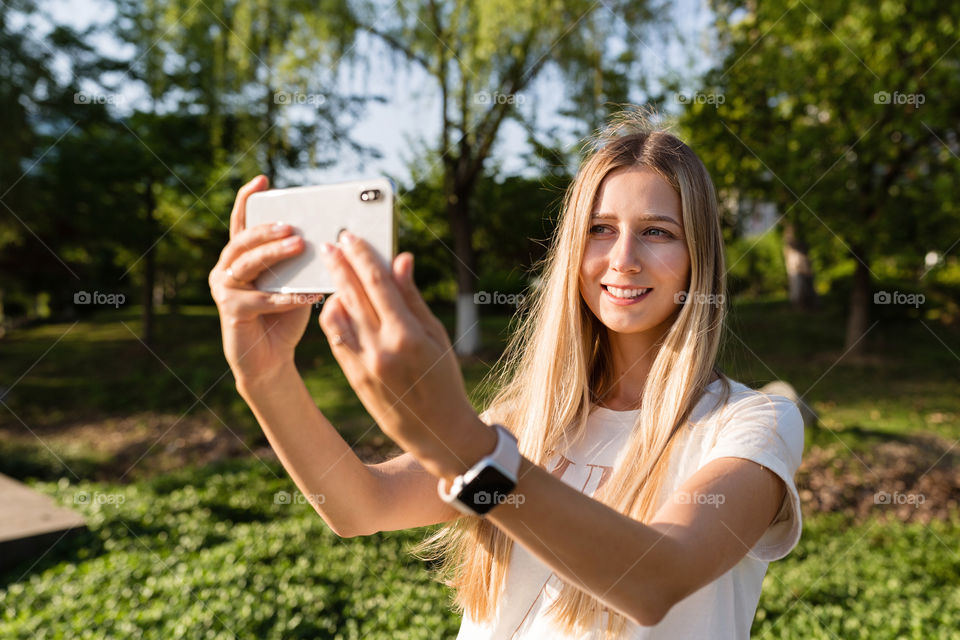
319 214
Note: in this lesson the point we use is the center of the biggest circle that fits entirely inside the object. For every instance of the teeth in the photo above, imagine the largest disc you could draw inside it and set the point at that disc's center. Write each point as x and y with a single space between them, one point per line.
626 293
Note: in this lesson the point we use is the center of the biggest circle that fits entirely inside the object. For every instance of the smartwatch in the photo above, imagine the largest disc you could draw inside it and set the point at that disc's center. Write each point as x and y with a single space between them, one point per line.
487 483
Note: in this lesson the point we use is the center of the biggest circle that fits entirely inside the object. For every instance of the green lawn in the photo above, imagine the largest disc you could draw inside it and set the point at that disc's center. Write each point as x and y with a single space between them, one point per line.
214 553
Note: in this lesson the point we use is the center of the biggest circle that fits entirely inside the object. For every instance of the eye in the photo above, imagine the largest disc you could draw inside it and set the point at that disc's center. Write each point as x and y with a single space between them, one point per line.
594 229
659 233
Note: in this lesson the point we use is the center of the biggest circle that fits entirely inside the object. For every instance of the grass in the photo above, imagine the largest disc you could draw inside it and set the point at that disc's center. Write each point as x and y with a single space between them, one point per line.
212 552
99 366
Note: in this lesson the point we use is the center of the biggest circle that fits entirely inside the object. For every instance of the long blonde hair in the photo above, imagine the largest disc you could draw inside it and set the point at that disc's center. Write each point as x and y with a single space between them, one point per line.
559 363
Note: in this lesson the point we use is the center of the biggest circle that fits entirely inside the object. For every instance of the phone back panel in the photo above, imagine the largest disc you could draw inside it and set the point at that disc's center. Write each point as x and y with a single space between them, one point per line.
318 214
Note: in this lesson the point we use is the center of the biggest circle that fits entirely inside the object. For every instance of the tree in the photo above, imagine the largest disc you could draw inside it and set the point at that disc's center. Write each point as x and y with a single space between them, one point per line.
483 57
42 252
225 69
842 115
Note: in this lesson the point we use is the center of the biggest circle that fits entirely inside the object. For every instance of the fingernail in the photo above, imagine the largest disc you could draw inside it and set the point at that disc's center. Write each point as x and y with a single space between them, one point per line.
280 227
326 248
291 242
348 237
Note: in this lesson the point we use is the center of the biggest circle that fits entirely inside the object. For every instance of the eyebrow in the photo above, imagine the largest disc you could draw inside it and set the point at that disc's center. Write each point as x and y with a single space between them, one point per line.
650 217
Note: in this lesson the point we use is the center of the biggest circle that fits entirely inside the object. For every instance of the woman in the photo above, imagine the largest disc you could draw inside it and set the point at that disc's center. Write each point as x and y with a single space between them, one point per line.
652 491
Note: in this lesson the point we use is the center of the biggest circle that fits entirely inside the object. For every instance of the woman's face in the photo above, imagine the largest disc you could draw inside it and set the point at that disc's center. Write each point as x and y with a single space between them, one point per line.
635 242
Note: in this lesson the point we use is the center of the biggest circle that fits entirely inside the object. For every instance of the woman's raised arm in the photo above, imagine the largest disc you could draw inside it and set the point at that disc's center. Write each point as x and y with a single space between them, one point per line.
260 333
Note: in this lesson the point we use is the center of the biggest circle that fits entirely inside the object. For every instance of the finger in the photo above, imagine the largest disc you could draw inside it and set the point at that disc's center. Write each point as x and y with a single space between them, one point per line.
349 289
336 325
238 217
251 238
377 280
246 304
403 274
249 265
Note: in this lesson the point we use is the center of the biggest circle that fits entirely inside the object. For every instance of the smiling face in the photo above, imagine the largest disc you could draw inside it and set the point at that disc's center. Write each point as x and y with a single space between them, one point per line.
635 261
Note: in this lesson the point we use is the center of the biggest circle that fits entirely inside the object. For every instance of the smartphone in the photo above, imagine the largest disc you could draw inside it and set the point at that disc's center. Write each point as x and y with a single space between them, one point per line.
319 214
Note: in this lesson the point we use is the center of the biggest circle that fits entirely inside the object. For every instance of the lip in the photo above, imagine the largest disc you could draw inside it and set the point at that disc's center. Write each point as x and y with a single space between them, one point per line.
623 302
623 286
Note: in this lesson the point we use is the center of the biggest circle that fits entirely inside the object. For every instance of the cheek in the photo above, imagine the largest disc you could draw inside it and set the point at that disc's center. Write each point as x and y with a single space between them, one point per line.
589 267
675 262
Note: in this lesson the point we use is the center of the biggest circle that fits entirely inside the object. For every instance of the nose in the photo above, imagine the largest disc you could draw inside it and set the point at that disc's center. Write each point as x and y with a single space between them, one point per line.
625 255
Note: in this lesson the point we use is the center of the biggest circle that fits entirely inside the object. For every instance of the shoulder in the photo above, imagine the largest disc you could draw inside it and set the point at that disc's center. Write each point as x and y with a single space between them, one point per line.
754 421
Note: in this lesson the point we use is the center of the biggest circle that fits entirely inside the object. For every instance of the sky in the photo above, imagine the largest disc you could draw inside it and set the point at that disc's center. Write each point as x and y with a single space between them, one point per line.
411 113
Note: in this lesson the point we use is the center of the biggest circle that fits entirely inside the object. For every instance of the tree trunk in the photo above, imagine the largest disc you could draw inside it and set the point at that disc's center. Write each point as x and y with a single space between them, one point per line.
149 267
467 338
796 256
859 314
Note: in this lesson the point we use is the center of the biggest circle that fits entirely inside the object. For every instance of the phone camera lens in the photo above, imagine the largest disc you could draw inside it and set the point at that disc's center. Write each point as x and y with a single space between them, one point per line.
370 195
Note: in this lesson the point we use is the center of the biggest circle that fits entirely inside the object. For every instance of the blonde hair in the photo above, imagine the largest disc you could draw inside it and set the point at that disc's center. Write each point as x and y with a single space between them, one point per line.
559 363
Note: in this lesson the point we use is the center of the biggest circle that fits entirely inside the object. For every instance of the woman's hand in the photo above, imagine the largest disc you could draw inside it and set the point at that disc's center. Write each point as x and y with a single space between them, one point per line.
260 330
398 358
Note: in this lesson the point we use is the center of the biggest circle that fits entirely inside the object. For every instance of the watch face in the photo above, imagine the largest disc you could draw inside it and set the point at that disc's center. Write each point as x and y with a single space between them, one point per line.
487 490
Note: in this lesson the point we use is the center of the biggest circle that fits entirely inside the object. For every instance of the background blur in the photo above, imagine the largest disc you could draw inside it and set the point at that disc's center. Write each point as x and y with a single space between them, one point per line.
831 133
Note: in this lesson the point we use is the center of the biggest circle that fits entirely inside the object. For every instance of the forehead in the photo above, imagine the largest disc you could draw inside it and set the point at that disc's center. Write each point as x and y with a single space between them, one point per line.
637 191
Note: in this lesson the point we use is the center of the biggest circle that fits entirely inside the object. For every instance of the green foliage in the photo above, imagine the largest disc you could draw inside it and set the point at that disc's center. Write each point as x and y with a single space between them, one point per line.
873 580
755 265
216 553
842 115
514 221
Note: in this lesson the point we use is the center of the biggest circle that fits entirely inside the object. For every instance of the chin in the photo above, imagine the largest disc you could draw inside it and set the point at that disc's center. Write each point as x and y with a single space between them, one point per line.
628 328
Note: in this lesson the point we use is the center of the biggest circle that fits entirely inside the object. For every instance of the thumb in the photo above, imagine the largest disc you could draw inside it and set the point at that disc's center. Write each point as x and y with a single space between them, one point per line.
403 268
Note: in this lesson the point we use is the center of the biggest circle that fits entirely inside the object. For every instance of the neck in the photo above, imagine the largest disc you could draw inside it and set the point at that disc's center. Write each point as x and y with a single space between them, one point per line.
633 355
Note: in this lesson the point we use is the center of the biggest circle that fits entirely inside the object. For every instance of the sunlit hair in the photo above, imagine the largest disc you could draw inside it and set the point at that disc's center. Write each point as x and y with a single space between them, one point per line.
558 364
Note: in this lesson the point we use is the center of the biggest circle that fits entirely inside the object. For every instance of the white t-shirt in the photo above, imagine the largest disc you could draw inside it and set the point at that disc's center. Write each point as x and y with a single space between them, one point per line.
764 428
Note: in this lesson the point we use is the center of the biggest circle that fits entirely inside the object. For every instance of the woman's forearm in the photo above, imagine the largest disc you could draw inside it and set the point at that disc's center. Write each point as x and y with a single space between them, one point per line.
337 483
